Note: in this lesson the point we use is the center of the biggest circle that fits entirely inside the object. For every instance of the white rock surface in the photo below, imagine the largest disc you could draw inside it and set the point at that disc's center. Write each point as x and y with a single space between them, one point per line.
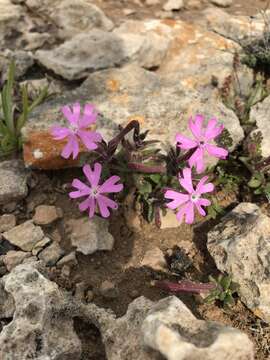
240 246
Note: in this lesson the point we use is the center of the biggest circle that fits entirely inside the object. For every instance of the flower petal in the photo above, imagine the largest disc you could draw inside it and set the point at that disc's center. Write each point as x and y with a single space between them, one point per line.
89 116
110 186
200 203
89 203
186 181
59 133
104 204
82 189
204 188
178 199
189 211
89 138
216 151
197 160
71 147
196 126
93 176
184 142
212 130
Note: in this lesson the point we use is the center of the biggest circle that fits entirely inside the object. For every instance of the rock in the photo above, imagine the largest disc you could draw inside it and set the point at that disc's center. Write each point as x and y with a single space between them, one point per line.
81 16
234 27
152 2
7 222
258 114
108 290
80 290
121 95
65 271
23 61
9 19
14 258
40 245
154 259
69 260
25 236
82 54
240 246
222 3
89 236
144 43
174 331
7 306
41 327
46 215
51 254
13 181
168 220
89 295
173 5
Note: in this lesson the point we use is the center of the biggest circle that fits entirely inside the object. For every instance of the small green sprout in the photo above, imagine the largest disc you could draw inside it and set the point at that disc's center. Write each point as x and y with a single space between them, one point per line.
224 291
14 114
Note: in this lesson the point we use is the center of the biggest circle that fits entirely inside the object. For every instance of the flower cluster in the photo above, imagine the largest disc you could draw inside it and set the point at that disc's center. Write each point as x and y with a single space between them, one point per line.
95 194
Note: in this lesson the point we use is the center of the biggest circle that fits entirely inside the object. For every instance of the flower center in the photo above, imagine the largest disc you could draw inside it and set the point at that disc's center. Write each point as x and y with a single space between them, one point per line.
194 197
73 127
201 143
95 191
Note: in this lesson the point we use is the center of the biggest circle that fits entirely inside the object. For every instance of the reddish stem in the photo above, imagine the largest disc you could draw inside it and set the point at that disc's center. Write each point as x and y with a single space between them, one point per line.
185 286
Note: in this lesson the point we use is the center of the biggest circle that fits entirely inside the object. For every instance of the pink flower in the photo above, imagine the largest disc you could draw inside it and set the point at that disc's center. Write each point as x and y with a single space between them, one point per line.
203 137
95 192
77 129
190 200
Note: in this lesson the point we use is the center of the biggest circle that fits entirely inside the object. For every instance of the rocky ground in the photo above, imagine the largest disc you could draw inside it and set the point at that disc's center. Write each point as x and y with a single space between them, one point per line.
74 289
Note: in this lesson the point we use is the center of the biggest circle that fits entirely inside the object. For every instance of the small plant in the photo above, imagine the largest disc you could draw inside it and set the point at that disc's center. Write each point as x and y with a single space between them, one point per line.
14 113
224 290
138 162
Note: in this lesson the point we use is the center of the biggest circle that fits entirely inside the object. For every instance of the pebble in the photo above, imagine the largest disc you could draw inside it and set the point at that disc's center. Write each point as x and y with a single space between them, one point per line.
108 290
51 254
14 258
222 3
154 259
173 5
46 214
89 296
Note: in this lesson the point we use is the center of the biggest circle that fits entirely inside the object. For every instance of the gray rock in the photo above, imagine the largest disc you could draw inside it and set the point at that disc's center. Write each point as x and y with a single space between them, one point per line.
13 181
51 254
14 258
7 222
222 3
240 246
144 43
47 214
25 236
173 5
235 27
23 61
89 236
77 17
82 54
40 329
9 18
7 306
259 114
173 330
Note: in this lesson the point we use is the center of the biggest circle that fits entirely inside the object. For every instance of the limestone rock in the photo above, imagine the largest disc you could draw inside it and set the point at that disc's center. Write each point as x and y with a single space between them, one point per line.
122 95
13 181
259 114
23 61
234 27
9 17
84 53
68 260
173 5
89 236
77 17
240 246
46 214
6 303
173 330
40 245
25 236
39 328
7 222
51 254
222 3
14 258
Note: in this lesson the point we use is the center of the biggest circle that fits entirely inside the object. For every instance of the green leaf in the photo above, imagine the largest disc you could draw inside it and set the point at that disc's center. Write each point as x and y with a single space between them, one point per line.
145 188
155 178
225 282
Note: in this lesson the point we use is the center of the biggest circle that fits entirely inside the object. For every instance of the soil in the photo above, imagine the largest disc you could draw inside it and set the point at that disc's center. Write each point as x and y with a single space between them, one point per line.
122 266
